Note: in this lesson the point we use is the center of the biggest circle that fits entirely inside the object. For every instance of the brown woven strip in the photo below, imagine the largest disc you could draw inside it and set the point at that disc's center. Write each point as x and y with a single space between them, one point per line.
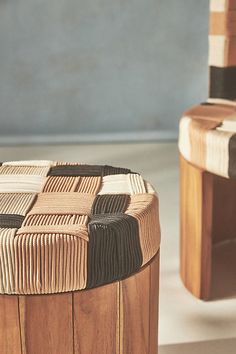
49 263
63 203
11 221
223 23
61 184
89 185
74 230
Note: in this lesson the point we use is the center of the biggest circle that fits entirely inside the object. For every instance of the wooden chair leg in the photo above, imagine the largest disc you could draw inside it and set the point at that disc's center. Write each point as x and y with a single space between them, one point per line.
196 193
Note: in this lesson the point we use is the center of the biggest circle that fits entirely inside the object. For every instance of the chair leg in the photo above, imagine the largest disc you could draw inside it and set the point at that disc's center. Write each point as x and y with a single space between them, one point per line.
196 193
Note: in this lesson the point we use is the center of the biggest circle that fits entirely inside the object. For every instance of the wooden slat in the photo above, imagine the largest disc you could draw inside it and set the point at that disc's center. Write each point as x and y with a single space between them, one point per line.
196 228
10 342
224 211
96 320
135 302
46 324
154 302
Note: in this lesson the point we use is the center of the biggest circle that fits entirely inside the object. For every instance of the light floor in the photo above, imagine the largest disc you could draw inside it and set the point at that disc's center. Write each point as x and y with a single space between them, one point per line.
187 325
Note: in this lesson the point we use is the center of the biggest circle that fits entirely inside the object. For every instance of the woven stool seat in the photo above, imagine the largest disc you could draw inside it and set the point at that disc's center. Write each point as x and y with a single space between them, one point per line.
66 227
208 137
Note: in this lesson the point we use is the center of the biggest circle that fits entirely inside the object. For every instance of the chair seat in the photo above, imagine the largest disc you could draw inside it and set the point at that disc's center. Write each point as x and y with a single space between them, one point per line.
208 137
68 226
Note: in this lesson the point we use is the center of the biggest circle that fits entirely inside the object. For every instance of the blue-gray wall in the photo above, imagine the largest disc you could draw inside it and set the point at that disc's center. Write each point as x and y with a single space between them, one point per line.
100 66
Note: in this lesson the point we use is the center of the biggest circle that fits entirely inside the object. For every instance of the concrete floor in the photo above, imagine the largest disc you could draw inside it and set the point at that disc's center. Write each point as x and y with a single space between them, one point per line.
186 324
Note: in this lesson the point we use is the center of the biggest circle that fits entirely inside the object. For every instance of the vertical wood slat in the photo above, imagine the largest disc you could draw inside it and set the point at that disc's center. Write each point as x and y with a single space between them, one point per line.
196 191
154 304
46 324
139 303
119 318
10 340
95 320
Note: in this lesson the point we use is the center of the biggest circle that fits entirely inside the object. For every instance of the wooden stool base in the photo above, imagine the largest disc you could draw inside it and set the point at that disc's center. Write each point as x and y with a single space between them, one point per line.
119 318
207 226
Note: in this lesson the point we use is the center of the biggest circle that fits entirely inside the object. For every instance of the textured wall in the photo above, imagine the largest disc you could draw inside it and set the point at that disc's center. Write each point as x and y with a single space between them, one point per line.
76 66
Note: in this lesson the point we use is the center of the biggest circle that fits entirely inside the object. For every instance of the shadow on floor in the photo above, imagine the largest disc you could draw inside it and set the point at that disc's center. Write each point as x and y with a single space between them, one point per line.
220 346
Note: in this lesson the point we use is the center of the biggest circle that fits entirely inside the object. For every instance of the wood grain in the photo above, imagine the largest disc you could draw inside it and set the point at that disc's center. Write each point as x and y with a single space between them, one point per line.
154 305
46 324
135 298
95 320
118 318
224 209
196 199
10 341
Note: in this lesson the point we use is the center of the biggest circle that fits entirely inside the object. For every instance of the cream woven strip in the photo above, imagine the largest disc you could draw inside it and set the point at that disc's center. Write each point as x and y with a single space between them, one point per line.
63 203
218 50
122 184
217 152
35 163
74 230
16 203
144 207
49 263
24 170
7 261
184 138
221 101
218 5
21 183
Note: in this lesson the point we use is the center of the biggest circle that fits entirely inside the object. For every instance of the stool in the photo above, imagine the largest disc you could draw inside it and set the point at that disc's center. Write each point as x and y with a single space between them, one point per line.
207 144
79 260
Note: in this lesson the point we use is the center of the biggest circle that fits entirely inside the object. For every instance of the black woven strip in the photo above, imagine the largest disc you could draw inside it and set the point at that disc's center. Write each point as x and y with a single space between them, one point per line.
207 104
110 203
11 221
223 82
110 170
114 250
76 170
232 157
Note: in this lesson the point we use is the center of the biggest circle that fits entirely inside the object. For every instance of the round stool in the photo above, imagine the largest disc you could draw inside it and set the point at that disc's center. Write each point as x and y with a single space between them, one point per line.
79 259
208 196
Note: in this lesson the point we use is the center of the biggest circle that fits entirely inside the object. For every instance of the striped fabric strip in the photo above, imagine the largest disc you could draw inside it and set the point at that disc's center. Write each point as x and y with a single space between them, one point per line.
24 170
49 263
21 183
35 163
62 203
16 203
74 230
144 207
122 184
7 261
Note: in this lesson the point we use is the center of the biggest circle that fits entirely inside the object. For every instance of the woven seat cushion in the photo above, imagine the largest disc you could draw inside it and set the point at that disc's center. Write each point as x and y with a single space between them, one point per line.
207 137
66 227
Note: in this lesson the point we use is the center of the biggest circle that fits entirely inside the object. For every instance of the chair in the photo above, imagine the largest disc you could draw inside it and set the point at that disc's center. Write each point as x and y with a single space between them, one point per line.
207 144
